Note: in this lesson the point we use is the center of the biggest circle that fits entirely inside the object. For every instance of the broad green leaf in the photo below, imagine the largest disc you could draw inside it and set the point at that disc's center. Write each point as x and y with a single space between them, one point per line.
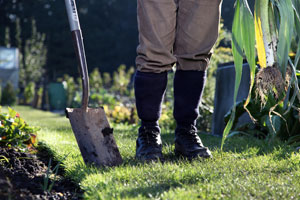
259 37
285 32
234 133
294 139
273 123
237 51
248 32
296 5
294 80
296 62
248 38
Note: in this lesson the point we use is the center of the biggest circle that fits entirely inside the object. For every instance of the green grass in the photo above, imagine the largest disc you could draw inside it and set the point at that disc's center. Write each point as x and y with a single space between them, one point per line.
247 169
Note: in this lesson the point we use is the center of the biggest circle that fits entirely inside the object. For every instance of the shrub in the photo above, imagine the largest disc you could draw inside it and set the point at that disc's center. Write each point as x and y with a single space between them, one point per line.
34 55
166 119
121 114
15 132
70 87
9 96
102 98
122 79
29 92
95 80
106 80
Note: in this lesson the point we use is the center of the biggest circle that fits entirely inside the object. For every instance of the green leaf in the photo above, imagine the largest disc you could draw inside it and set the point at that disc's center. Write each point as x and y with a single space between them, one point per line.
248 33
237 51
273 124
294 139
296 5
12 113
248 38
285 32
234 133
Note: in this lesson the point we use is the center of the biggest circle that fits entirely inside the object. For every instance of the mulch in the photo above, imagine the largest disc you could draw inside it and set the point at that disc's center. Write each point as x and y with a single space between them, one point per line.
22 176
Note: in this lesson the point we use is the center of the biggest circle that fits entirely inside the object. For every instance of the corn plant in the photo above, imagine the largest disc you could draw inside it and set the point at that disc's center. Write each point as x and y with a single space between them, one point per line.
266 37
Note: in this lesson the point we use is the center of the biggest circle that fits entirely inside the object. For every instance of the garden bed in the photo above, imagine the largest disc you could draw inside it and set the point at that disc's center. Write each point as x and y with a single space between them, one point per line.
24 176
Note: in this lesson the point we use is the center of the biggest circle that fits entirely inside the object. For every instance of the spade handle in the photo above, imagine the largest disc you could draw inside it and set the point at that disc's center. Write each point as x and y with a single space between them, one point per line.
79 50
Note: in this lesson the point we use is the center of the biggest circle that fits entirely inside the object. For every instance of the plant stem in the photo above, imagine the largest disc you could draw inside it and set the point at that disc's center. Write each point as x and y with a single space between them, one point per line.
264 9
273 32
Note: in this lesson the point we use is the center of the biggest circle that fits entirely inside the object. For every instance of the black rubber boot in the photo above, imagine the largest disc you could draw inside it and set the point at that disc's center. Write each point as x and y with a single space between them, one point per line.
149 92
188 87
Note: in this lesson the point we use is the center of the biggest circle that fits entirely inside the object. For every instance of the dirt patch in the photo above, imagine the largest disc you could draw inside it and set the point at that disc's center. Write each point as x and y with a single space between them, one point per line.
22 176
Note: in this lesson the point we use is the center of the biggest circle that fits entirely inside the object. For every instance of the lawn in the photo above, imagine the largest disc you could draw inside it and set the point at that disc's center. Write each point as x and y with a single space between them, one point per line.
247 169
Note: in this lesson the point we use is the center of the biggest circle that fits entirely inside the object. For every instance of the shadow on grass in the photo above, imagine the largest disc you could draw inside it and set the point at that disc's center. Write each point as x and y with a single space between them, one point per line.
247 144
244 145
237 144
149 191
47 155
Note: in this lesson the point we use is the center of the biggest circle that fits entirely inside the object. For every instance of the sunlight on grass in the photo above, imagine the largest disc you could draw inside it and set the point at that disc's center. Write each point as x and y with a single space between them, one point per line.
247 169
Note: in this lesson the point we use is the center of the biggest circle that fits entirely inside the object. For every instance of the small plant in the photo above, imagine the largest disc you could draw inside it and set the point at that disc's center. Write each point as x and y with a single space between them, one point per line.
48 181
46 186
15 132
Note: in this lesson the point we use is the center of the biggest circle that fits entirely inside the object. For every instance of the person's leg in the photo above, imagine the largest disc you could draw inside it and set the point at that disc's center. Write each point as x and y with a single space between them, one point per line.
197 32
156 24
188 87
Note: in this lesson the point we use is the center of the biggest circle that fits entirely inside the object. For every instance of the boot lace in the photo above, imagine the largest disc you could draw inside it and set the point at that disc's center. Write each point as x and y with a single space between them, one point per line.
149 137
190 136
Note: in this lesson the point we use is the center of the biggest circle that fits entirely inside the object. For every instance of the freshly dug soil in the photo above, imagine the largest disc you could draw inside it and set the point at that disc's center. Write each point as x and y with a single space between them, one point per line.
22 176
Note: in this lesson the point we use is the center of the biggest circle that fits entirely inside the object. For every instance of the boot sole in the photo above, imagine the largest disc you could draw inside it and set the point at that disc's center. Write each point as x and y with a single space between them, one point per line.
181 154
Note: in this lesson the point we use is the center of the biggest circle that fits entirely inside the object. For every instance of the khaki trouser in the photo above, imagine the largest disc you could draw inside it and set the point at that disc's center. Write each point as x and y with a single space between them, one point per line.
176 31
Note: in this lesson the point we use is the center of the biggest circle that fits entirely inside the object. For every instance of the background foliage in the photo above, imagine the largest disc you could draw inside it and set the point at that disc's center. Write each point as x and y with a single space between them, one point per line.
109 29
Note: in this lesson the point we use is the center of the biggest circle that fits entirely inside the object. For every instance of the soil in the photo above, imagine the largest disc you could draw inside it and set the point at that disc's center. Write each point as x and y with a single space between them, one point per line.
22 176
